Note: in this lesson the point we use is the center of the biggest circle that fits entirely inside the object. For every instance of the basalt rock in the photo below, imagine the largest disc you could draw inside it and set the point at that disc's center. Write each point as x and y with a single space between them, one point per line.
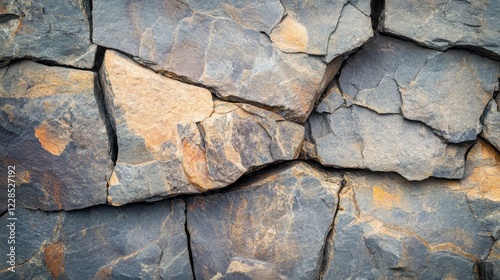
174 139
104 242
389 228
444 24
55 31
491 122
271 226
53 132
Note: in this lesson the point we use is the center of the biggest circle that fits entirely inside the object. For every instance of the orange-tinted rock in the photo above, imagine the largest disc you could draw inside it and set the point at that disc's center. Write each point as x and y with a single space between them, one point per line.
173 139
54 132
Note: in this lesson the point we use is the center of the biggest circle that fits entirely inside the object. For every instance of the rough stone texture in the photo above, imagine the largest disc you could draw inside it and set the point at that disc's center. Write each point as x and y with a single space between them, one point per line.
491 267
389 228
447 91
56 31
131 242
326 28
443 24
52 130
187 146
172 38
272 226
355 137
491 122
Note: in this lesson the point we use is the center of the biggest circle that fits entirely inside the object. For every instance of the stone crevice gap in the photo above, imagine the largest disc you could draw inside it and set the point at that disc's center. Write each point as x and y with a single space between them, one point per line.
377 7
188 236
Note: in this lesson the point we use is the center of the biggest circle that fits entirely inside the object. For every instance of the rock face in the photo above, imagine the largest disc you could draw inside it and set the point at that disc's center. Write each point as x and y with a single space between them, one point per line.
272 226
447 24
389 228
52 130
187 146
55 31
491 121
132 242
356 137
446 91
207 42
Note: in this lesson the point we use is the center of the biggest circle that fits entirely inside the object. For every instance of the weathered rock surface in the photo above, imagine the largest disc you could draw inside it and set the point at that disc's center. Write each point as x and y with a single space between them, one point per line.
491 122
206 48
52 130
444 24
56 31
173 139
356 137
327 28
446 91
272 226
491 267
130 242
389 228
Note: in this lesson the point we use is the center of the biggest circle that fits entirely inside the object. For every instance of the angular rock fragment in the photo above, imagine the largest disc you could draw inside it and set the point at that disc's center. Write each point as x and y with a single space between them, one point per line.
389 228
173 139
328 28
52 131
491 267
446 91
272 226
132 242
56 31
356 137
491 123
171 37
473 24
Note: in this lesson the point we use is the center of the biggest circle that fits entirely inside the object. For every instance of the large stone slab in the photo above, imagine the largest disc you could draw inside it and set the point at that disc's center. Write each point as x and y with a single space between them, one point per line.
55 31
443 24
271 226
54 133
203 47
491 122
104 242
446 91
389 228
173 139
327 28
356 137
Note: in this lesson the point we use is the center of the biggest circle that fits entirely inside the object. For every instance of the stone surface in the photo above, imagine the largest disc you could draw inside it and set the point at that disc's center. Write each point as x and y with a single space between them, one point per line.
53 131
491 122
188 146
389 228
491 267
446 91
104 242
172 38
328 28
55 31
355 137
271 226
447 24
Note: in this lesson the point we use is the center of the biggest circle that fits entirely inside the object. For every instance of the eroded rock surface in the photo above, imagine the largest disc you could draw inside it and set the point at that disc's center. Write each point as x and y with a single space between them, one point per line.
491 122
389 228
174 139
56 31
446 91
209 43
104 242
272 226
443 24
52 130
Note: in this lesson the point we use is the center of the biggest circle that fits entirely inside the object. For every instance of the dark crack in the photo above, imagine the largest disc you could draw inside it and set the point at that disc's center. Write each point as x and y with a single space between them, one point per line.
4 18
188 236
377 8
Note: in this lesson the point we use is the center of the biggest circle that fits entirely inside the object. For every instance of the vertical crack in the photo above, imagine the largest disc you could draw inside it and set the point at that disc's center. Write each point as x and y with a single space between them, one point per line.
377 7
325 261
191 261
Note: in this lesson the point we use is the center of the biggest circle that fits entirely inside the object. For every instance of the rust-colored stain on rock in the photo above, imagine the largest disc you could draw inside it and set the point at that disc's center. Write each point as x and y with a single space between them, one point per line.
54 260
52 140
385 199
290 35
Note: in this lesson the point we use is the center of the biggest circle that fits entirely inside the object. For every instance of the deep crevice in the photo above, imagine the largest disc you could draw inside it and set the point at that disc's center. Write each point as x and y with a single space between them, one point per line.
4 18
3 213
188 236
377 7
99 58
